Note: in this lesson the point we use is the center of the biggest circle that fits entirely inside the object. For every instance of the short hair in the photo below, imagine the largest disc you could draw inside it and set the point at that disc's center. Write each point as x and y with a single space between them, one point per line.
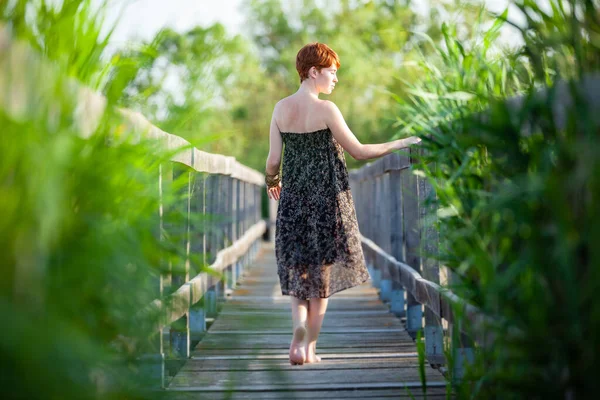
317 55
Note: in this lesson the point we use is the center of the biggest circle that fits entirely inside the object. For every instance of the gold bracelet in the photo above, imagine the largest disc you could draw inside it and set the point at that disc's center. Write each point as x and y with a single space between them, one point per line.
272 180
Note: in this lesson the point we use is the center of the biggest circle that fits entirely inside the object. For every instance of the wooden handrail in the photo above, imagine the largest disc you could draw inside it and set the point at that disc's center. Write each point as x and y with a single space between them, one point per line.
188 294
225 187
396 241
26 76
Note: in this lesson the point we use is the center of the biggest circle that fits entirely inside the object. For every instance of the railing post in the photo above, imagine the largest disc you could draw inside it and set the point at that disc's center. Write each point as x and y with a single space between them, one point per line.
242 215
229 272
372 232
410 205
180 337
166 182
462 346
197 321
228 204
363 218
204 207
240 210
246 205
210 300
235 184
385 237
180 227
228 276
398 303
152 361
179 332
434 332
239 221
220 210
211 199
197 312
257 216
249 215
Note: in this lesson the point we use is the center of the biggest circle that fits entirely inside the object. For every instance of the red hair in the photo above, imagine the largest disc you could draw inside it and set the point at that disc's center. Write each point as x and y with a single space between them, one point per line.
317 55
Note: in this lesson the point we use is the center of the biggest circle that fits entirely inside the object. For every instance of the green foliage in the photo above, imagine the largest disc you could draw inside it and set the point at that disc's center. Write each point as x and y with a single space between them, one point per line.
516 194
80 242
63 32
80 254
226 87
369 38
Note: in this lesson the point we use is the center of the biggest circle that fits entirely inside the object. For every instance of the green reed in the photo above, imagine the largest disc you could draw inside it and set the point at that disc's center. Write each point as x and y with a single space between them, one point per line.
81 247
516 196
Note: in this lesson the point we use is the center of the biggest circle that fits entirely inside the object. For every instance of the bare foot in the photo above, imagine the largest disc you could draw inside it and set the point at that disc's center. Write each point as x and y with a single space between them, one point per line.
297 351
311 357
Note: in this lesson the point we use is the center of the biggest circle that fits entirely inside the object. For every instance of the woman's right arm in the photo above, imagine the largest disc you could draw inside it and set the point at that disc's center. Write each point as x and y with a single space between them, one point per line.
344 136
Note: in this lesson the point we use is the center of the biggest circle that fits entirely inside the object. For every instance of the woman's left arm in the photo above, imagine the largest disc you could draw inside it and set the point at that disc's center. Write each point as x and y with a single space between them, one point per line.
276 146
274 158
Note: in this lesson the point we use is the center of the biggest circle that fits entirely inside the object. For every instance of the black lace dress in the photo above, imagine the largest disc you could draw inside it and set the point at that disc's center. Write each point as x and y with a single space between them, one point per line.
317 242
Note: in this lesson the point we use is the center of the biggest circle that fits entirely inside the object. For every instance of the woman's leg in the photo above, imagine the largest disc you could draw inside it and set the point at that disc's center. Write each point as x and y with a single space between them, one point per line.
299 314
316 312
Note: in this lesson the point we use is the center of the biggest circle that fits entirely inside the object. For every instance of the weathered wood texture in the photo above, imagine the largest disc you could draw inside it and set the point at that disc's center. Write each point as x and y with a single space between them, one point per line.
366 352
400 245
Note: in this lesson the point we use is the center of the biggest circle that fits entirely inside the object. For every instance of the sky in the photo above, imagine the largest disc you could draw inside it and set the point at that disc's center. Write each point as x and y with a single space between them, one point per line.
141 19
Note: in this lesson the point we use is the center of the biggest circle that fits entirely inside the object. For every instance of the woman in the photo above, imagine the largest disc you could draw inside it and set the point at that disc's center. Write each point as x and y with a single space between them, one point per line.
317 242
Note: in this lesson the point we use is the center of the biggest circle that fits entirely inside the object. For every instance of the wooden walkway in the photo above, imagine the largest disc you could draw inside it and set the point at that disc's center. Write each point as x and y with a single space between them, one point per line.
365 351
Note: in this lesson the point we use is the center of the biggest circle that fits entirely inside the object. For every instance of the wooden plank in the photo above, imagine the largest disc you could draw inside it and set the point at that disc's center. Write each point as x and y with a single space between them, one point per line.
271 363
299 379
324 353
282 341
433 393
330 356
334 320
397 348
362 346
324 331
286 313
272 323
332 306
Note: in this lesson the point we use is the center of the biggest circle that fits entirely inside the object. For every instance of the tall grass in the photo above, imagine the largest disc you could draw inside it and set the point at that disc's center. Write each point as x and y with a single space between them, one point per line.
80 246
517 197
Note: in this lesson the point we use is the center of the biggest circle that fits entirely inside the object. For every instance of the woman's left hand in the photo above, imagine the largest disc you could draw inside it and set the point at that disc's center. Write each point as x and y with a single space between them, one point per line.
274 192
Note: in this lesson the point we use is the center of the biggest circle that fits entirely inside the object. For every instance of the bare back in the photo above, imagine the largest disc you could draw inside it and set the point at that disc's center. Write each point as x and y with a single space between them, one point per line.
300 114
303 114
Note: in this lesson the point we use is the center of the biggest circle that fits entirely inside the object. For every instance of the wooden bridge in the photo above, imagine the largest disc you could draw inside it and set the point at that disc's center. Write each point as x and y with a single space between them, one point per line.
229 335
224 330
366 352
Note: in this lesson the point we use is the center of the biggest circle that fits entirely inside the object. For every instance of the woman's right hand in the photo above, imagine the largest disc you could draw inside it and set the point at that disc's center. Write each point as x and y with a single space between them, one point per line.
274 192
409 141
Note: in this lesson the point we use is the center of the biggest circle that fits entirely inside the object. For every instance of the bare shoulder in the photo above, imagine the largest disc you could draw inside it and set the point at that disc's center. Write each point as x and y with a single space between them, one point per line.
325 105
282 105
329 110
329 107
286 101
278 109
279 105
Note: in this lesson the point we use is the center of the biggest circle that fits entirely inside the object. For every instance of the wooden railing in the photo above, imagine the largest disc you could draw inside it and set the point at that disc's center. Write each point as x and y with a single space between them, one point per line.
219 191
400 241
397 236
225 196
